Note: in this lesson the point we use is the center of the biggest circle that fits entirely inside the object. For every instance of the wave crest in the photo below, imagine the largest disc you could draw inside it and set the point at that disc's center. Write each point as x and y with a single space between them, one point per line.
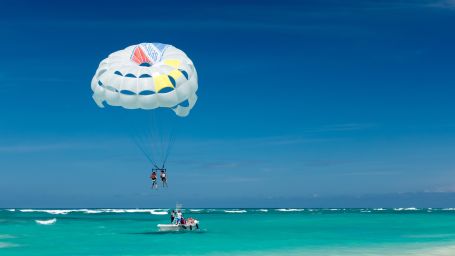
46 222
235 211
289 210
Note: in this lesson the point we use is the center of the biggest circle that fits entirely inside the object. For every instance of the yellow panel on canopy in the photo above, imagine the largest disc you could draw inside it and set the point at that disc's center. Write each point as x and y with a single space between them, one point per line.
162 81
172 63
175 74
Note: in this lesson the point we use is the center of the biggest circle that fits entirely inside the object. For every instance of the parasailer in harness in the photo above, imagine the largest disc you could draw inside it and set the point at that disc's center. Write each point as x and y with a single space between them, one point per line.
163 177
153 177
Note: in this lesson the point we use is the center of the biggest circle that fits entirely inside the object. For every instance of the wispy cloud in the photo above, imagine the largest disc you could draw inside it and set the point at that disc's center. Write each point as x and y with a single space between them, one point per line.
36 79
324 163
192 24
441 189
279 18
343 127
43 146
221 165
370 173
33 148
388 5
41 74
256 142
313 135
445 4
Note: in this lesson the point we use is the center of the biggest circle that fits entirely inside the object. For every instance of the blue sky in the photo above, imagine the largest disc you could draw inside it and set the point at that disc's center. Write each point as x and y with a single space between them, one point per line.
300 104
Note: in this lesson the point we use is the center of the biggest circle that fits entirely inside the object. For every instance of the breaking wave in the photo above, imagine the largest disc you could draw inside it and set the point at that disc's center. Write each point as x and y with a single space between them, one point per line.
289 210
46 222
50 211
235 211
6 236
96 211
406 209
156 212
7 245
93 211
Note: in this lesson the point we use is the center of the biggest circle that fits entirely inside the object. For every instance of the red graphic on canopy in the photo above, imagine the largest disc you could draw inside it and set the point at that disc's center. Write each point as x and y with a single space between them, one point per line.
139 56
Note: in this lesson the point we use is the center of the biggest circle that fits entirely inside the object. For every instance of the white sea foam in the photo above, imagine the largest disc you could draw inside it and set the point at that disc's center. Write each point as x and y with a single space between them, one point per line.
59 211
92 211
195 210
6 236
448 209
156 212
289 210
28 210
115 210
379 209
439 251
95 211
263 210
406 209
66 211
11 210
49 211
151 211
7 245
46 222
443 235
138 210
235 211
426 250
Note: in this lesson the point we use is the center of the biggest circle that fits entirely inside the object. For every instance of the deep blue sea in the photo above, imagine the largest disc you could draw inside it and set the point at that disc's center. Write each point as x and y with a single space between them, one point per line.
398 231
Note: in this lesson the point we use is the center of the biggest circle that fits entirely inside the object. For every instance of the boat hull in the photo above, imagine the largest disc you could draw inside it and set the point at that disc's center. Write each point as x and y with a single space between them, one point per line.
176 227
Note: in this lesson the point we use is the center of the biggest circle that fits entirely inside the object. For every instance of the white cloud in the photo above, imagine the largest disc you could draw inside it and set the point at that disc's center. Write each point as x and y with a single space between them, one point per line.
344 127
446 4
370 173
64 145
32 148
441 189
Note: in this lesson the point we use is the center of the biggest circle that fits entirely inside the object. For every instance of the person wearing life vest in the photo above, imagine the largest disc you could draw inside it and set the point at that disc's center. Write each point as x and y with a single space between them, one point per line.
179 217
153 177
172 216
163 177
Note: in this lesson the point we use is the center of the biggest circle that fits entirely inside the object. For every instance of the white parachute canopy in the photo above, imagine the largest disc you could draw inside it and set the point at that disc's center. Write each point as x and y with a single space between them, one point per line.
147 76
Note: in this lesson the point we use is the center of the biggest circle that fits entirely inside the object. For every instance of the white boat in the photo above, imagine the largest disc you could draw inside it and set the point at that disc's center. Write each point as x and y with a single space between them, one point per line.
190 225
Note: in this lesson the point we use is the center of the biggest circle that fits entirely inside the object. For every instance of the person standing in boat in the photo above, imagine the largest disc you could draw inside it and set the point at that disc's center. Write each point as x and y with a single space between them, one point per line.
172 216
179 217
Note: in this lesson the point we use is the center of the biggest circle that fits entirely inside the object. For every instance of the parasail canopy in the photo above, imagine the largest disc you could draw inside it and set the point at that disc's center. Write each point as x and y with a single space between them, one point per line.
147 76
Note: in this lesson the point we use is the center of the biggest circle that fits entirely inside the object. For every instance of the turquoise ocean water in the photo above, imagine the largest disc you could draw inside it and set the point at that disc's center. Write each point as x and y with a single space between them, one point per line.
229 232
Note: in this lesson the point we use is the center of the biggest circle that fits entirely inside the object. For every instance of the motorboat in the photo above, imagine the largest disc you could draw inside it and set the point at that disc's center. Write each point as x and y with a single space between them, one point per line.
190 224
